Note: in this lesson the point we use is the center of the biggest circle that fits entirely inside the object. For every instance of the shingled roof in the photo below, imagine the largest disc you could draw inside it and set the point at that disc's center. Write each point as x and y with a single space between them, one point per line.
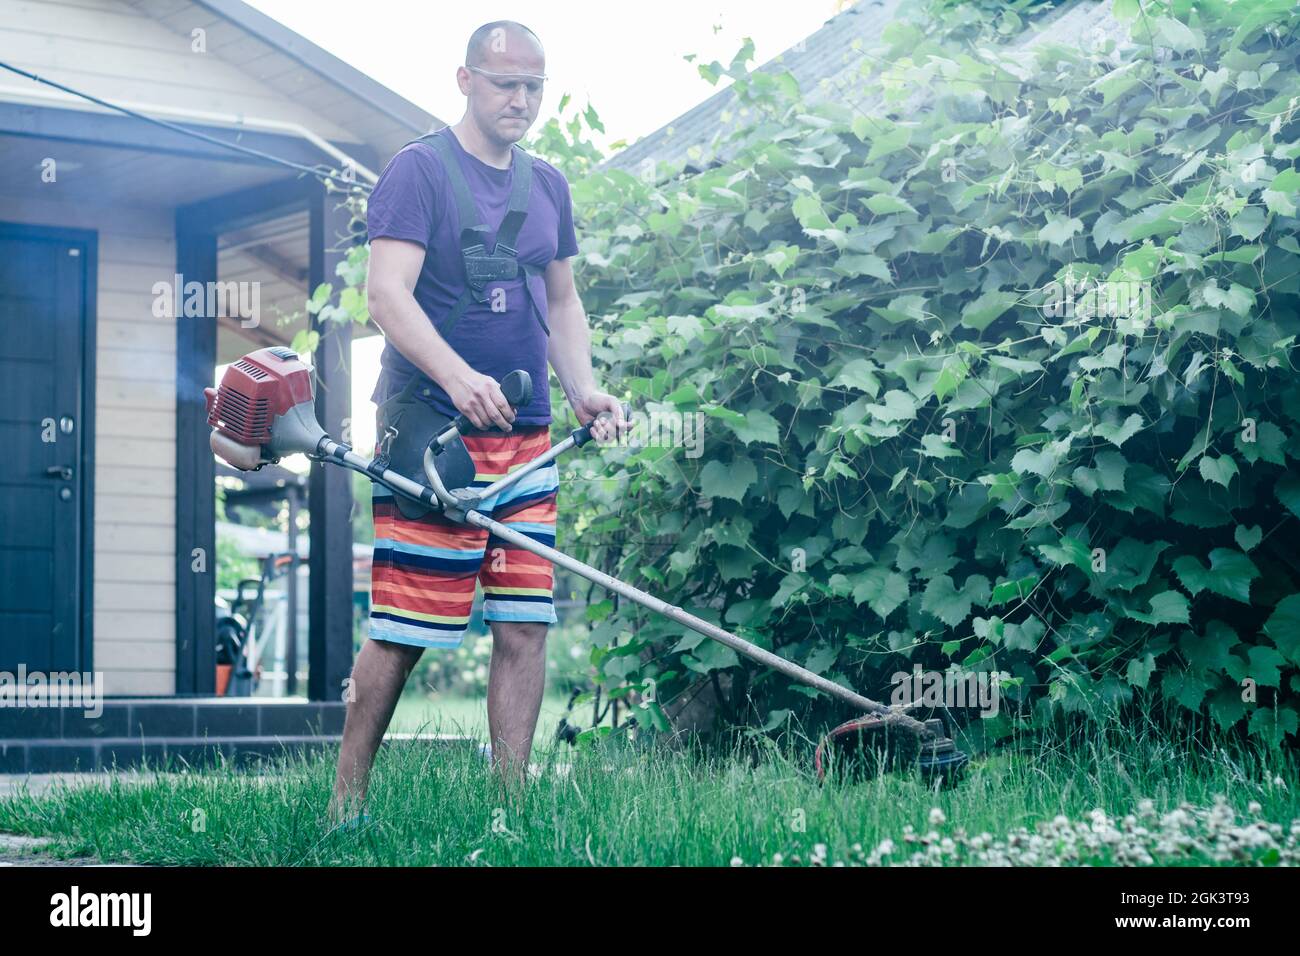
821 63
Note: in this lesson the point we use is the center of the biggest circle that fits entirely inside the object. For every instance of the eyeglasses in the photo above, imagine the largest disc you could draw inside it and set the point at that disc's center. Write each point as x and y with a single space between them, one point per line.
510 83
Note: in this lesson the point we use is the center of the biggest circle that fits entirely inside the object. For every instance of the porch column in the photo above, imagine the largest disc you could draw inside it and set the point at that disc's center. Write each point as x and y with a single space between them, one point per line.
330 487
196 538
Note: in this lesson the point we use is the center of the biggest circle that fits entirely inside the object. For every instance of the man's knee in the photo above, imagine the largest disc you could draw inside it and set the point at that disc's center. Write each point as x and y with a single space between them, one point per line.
382 663
522 639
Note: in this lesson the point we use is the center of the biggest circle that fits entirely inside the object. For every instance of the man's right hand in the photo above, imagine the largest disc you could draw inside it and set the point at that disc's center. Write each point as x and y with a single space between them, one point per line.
479 398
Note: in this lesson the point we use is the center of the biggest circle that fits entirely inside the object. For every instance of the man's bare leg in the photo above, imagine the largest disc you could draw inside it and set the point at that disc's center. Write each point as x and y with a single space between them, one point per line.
380 672
516 681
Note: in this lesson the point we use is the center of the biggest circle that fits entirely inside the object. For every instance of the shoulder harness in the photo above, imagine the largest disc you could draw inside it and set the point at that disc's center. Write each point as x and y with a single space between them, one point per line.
482 267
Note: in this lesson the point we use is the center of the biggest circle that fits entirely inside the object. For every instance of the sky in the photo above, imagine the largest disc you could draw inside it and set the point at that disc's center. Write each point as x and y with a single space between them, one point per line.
623 58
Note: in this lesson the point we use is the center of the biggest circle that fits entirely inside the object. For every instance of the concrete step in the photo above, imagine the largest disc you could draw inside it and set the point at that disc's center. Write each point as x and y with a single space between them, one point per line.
55 755
176 717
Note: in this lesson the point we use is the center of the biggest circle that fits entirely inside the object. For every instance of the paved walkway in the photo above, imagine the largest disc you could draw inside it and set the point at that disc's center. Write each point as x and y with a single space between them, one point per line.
36 784
26 851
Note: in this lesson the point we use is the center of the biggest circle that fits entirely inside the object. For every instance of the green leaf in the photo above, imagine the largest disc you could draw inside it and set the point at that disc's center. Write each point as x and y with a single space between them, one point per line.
859 374
711 656
758 425
1108 475
1249 223
1287 491
1025 636
981 313
903 308
1140 669
898 407
1176 35
880 589
1069 551
1042 463
1227 707
1229 574
781 258
1283 627
1273 724
1060 228
727 480
936 446
1221 471
888 143
1168 607
882 204
1236 297
1117 435
1013 590
1248 538
1269 444
863 265
305 341
950 605
1209 652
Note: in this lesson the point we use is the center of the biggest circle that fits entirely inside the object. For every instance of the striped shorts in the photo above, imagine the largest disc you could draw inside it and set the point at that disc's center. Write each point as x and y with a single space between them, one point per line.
423 571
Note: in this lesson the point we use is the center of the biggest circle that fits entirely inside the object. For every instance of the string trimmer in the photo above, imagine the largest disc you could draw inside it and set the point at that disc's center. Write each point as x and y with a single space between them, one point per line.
263 411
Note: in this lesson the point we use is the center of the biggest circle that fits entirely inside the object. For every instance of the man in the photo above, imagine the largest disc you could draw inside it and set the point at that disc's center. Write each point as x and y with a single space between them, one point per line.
425 569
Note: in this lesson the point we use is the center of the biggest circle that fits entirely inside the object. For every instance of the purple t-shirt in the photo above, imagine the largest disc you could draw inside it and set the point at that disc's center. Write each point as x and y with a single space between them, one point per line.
413 200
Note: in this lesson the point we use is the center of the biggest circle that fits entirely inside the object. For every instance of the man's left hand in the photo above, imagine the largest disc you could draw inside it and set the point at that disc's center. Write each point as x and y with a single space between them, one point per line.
590 406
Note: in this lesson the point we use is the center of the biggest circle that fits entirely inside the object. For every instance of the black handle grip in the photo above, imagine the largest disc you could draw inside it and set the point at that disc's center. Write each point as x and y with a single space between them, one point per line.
583 434
517 387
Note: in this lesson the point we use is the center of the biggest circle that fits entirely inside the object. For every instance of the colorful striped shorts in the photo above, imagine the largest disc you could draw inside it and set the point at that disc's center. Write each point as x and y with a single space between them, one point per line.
423 571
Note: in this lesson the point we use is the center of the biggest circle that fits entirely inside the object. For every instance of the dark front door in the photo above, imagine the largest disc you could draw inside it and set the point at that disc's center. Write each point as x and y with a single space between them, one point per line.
44 513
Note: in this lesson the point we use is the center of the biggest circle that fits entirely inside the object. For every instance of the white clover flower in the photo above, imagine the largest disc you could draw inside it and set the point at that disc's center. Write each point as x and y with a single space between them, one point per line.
1254 807
737 861
937 818
1175 819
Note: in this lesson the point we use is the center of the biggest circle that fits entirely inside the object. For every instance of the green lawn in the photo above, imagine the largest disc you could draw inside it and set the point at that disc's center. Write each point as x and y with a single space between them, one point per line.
418 712
1104 800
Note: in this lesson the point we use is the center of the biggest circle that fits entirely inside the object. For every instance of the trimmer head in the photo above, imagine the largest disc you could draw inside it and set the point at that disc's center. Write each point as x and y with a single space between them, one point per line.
864 746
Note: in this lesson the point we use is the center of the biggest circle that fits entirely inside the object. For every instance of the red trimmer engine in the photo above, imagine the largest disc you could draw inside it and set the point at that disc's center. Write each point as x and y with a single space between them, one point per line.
264 407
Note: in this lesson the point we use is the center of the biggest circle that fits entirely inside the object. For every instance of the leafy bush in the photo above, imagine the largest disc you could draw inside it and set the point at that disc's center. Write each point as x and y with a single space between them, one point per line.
994 354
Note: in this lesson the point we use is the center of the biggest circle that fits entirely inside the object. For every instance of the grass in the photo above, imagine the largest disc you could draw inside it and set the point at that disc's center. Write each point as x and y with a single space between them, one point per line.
419 712
634 804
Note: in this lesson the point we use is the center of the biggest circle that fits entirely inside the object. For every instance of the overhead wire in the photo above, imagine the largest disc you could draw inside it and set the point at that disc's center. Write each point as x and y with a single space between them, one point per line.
321 172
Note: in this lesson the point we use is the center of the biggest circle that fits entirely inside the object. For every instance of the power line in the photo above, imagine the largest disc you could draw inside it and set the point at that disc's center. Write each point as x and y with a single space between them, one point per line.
321 172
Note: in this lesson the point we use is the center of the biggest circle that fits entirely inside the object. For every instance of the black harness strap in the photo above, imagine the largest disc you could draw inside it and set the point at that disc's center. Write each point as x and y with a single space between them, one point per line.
503 262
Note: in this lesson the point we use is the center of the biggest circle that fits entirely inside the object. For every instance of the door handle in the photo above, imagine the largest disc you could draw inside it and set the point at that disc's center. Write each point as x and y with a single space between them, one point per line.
63 472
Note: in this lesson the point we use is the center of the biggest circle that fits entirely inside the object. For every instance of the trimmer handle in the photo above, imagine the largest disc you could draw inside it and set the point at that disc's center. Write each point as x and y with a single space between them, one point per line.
583 434
518 390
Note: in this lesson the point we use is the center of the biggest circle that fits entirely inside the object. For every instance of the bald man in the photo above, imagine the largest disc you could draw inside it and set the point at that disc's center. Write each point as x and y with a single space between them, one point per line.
450 345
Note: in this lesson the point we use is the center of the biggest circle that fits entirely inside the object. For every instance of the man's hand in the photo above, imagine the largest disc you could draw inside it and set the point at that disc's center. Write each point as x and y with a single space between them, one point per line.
479 398
588 407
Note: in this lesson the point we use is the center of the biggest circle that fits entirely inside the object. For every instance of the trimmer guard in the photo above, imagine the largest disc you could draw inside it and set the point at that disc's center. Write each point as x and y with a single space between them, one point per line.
863 746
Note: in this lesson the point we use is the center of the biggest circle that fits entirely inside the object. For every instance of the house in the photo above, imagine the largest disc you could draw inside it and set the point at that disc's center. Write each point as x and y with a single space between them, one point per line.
107 540
827 66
